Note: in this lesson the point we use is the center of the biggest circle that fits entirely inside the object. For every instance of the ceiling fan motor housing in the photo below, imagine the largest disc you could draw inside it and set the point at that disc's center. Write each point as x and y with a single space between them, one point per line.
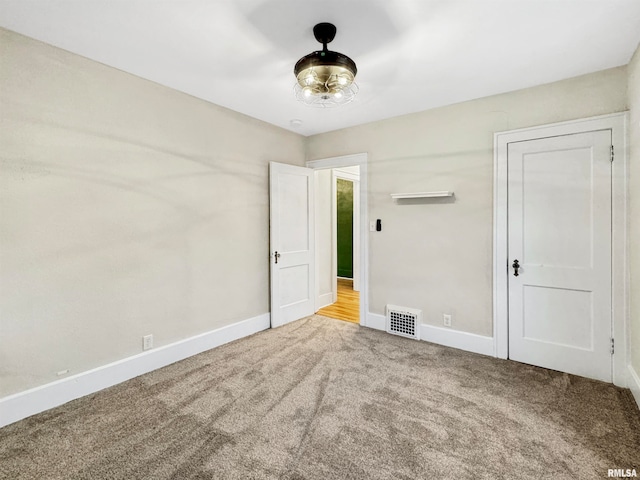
325 77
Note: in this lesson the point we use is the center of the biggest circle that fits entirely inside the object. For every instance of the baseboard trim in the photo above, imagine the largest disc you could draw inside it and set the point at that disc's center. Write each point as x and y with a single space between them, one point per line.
325 300
634 384
379 322
443 336
24 404
457 339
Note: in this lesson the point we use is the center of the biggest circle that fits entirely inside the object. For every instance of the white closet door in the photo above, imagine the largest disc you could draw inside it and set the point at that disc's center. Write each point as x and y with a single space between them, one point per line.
559 204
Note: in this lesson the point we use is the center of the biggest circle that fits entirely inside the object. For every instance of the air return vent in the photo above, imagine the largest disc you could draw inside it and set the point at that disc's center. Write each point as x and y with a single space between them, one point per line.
404 321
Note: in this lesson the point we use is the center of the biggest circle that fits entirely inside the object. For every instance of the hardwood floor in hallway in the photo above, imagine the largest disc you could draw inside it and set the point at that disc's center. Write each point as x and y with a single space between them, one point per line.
347 307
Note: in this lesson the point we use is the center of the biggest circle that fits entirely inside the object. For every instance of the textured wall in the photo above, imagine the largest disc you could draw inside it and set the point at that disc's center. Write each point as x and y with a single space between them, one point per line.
437 255
126 209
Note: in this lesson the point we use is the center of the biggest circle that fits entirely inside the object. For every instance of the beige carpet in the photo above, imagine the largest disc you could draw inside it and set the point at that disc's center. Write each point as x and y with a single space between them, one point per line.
326 399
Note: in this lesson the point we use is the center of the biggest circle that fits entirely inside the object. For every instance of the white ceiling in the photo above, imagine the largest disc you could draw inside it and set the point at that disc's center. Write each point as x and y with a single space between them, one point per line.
411 54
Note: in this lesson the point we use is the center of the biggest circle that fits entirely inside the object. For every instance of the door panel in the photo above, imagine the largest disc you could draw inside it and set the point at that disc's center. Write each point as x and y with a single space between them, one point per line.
293 215
291 231
545 312
293 285
557 192
559 218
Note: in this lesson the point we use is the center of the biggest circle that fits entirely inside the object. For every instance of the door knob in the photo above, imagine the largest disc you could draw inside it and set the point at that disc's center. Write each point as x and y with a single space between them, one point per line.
277 256
516 266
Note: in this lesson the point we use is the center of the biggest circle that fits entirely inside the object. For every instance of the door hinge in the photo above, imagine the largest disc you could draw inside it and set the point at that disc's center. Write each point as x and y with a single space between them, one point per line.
612 154
612 346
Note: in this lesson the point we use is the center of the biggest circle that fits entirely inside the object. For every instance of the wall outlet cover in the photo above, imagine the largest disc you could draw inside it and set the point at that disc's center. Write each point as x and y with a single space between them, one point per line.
147 342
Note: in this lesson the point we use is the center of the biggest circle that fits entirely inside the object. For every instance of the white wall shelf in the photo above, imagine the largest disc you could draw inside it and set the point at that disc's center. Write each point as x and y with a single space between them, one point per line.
399 196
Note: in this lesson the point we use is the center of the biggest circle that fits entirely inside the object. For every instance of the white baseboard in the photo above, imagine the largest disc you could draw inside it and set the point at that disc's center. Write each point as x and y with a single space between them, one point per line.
325 300
24 404
379 322
442 336
457 339
634 384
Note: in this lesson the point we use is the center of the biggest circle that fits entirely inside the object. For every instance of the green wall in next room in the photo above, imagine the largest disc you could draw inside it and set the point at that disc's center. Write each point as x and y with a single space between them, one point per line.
344 198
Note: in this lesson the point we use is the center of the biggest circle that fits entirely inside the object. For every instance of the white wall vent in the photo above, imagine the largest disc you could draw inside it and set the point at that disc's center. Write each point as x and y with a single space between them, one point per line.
404 321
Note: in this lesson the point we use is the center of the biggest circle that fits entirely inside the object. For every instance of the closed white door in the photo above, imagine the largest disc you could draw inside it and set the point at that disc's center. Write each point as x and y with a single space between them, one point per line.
292 243
559 214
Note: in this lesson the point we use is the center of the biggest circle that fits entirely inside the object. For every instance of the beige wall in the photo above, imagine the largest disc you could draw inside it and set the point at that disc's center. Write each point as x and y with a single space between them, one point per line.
634 213
126 209
437 256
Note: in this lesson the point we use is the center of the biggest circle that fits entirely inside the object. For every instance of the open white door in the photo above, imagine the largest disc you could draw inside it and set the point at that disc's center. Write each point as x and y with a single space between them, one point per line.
292 243
560 253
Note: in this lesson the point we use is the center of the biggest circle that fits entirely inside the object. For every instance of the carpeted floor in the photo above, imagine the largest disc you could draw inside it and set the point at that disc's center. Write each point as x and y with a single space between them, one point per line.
326 399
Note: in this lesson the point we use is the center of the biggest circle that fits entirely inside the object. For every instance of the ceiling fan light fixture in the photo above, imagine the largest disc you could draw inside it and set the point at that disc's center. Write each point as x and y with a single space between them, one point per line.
325 78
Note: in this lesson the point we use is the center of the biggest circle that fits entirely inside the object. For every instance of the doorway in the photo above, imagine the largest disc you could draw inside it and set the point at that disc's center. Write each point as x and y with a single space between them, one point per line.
293 253
559 281
329 169
338 243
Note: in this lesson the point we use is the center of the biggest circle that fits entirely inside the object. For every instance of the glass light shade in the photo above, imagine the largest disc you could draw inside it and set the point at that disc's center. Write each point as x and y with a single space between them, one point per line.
325 85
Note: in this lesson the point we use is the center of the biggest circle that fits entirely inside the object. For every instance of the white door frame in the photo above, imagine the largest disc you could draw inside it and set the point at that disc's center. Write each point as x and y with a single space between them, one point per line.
617 123
355 179
359 159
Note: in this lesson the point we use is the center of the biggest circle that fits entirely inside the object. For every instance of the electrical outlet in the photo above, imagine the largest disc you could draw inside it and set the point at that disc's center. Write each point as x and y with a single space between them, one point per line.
446 318
147 342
